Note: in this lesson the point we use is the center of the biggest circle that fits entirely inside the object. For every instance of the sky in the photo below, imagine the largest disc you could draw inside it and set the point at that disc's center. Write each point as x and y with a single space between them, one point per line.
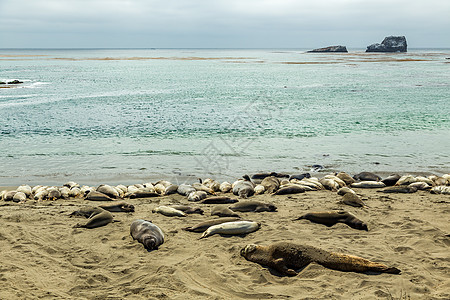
221 23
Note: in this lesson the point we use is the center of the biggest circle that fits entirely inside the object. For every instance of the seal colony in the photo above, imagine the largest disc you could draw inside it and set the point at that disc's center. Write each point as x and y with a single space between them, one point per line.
244 218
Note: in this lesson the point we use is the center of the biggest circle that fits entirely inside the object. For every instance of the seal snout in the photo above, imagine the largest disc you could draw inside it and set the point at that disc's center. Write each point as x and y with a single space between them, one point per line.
149 243
247 250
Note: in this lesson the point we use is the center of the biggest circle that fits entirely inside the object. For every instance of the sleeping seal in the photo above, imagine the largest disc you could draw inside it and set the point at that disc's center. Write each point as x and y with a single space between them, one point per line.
271 184
147 233
223 211
188 209
244 188
290 189
366 176
287 257
252 206
206 224
119 206
97 217
330 218
232 228
168 211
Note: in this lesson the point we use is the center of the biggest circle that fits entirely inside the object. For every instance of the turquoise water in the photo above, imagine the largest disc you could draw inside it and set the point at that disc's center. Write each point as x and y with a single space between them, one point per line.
128 115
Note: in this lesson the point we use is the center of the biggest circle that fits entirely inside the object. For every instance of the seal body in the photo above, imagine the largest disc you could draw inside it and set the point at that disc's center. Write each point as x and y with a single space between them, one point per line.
185 189
330 218
225 187
96 196
188 209
404 189
391 179
344 190
206 224
253 206
223 211
244 188
271 184
291 189
232 228
147 233
197 196
353 200
286 258
367 176
371 184
169 211
119 206
97 217
218 200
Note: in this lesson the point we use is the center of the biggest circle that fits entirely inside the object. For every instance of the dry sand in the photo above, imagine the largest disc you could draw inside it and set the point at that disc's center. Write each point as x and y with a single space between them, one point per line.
43 257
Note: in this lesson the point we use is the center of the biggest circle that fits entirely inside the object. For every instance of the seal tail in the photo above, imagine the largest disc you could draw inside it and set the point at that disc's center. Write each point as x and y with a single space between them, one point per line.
350 263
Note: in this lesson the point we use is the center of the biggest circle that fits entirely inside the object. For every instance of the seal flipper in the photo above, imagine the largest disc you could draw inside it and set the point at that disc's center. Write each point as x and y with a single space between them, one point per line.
280 265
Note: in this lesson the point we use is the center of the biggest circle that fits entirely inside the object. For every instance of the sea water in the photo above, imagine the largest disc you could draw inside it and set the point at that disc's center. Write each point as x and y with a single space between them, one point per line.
128 115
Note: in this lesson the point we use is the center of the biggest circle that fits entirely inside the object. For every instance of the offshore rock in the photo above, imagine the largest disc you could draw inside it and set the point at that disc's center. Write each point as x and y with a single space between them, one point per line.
330 49
389 44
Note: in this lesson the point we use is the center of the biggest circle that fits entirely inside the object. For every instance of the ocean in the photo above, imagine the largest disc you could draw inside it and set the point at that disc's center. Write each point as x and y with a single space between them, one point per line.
133 115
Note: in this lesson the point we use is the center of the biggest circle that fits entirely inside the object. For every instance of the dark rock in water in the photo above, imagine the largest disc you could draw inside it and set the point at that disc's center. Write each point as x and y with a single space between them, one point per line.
1 82
15 82
329 49
389 44
315 168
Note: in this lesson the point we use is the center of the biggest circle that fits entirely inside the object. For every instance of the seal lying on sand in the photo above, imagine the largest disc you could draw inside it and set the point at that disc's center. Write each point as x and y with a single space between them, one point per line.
147 233
119 206
218 200
252 206
286 258
188 209
244 188
232 228
330 218
223 211
206 224
290 189
97 217
367 176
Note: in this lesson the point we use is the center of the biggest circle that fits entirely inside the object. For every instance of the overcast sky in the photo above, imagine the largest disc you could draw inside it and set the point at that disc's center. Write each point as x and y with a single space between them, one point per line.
221 23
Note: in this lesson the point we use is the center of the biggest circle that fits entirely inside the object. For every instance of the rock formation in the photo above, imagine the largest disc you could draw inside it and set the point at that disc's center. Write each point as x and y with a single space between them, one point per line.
389 44
330 49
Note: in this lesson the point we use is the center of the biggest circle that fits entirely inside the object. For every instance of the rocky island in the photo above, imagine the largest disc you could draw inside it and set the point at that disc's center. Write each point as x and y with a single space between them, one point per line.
389 44
329 49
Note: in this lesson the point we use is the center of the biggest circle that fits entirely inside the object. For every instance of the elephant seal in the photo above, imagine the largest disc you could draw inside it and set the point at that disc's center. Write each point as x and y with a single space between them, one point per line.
185 189
223 211
404 189
19 197
244 188
219 200
142 193
26 189
345 190
188 209
330 184
119 206
54 194
287 258
108 190
232 228
225 187
353 200
252 206
366 176
206 224
9 195
171 189
147 233
97 217
201 187
96 196
290 189
271 184
371 184
330 218
391 179
441 189
420 185
406 180
259 189
300 176
197 196
345 177
168 211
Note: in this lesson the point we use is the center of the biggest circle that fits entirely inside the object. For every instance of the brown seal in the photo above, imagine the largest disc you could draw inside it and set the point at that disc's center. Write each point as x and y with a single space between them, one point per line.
147 233
367 176
287 258
97 196
97 217
188 209
330 218
271 184
118 206
252 206
353 200
223 211
244 188
403 189
142 194
218 200
206 224
290 189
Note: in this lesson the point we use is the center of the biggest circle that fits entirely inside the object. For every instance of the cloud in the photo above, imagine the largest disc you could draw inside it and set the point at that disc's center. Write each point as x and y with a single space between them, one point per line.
179 23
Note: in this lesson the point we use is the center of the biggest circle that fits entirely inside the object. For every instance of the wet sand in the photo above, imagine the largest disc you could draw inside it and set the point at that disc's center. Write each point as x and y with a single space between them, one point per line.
43 257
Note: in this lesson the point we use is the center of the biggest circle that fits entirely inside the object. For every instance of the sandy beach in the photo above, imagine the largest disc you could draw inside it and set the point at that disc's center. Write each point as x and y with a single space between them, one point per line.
43 257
